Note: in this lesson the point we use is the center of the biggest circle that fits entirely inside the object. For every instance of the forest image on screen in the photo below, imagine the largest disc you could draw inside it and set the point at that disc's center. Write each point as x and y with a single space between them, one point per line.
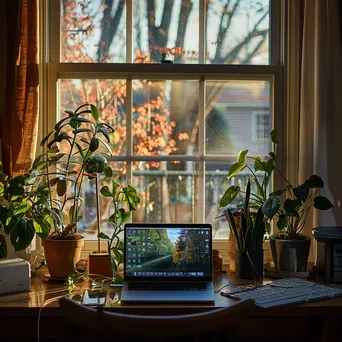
168 252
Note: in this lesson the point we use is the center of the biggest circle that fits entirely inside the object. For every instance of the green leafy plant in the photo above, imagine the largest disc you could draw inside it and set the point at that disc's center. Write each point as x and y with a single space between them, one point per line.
249 232
261 172
291 215
37 202
24 210
74 149
125 200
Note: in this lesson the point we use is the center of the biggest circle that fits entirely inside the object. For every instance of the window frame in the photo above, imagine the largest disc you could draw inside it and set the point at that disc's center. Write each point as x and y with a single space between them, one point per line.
51 70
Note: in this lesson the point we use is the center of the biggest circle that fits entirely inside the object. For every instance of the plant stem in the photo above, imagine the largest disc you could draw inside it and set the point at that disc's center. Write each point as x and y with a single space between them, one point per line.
98 215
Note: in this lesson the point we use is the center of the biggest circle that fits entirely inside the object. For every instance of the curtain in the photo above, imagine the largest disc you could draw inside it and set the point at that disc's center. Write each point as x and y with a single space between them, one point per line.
19 122
317 58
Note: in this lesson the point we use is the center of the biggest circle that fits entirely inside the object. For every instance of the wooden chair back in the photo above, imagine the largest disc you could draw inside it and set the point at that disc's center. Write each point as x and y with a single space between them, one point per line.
214 325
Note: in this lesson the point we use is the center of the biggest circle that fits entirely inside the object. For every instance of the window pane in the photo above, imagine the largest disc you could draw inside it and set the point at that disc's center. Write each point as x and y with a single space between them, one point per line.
93 31
88 225
110 98
240 117
238 32
167 191
165 114
165 26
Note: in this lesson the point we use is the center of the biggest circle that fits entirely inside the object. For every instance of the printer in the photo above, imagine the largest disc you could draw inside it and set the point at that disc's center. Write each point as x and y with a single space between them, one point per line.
15 275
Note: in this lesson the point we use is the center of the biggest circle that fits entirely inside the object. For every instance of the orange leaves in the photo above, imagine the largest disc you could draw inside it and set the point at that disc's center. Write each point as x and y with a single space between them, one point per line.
183 136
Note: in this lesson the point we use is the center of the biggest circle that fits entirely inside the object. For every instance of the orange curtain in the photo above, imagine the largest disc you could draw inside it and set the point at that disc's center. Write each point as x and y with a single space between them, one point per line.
19 122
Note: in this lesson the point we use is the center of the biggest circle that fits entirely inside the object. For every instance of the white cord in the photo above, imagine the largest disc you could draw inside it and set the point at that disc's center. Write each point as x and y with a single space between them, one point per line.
47 302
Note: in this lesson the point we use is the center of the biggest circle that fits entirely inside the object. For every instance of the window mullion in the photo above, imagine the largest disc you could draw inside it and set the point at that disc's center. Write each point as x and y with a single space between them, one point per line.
201 151
129 132
54 34
129 31
275 44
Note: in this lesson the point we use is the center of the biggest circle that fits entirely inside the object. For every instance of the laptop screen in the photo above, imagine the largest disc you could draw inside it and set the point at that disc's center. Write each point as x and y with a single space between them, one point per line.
177 251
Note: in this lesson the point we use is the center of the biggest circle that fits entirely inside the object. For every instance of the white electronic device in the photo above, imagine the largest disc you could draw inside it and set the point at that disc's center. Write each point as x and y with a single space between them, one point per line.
15 275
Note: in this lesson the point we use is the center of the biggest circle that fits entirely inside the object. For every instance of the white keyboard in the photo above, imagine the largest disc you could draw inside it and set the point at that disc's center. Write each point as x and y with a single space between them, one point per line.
283 292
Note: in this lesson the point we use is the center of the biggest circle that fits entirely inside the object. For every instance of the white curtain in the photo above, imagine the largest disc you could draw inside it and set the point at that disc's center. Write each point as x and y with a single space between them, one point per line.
319 95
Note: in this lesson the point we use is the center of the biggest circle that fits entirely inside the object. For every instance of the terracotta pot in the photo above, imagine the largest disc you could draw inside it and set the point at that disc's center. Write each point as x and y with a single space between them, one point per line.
99 263
60 255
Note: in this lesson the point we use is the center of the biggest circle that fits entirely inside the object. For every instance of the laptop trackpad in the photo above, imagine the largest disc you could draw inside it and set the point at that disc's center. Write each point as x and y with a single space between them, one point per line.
167 295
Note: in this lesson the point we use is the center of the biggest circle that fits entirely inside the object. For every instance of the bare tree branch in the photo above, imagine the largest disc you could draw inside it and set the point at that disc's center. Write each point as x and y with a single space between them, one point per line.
229 14
158 36
186 8
109 27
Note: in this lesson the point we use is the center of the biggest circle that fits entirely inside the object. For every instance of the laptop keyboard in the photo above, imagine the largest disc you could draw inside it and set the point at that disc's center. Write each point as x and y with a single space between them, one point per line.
167 286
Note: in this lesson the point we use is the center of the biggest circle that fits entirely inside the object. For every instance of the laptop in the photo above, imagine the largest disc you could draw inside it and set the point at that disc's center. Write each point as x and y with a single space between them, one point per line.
167 263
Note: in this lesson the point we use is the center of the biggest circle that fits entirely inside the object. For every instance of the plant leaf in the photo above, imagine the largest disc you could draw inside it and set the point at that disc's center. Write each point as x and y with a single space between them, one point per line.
94 113
23 234
271 207
84 105
81 130
106 192
80 149
322 203
94 144
269 166
105 133
229 195
79 119
45 139
259 165
103 236
274 137
235 168
110 128
43 226
314 182
301 192
108 172
61 187
241 156
282 221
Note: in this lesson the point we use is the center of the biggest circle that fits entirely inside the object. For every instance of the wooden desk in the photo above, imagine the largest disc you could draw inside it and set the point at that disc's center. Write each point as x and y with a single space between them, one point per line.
315 321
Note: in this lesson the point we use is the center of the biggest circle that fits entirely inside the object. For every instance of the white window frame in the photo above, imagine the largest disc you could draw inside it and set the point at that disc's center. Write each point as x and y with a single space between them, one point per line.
52 70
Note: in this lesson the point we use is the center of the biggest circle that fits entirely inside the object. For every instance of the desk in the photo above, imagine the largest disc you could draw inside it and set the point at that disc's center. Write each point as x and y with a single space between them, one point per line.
315 321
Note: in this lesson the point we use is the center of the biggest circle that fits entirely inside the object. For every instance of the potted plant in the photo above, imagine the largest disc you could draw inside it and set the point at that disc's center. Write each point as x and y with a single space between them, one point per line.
261 173
24 211
248 237
290 248
125 200
74 149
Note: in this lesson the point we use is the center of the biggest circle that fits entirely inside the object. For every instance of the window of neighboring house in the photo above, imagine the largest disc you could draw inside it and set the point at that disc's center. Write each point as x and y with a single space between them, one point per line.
261 127
180 126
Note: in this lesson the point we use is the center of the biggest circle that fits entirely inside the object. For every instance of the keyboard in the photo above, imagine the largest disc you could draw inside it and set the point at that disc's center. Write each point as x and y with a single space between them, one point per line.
171 286
283 292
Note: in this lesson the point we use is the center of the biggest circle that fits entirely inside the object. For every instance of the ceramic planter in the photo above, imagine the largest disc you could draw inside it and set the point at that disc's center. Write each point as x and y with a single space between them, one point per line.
290 255
60 255
243 267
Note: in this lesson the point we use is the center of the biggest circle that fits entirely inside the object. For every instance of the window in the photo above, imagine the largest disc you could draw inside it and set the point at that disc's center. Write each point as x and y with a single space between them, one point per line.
178 126
261 127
